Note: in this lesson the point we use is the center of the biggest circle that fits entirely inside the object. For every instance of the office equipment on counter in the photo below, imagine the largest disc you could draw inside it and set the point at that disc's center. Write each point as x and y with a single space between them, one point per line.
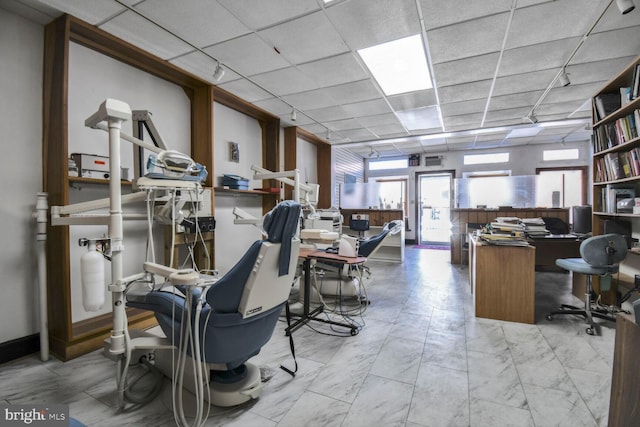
348 246
91 165
599 255
235 182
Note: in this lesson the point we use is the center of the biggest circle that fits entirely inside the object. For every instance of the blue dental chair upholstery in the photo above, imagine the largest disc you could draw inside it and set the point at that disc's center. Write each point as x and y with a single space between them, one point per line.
234 324
600 255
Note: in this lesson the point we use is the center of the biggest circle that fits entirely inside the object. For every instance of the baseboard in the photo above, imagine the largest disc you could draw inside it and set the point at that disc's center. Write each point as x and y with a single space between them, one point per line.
19 347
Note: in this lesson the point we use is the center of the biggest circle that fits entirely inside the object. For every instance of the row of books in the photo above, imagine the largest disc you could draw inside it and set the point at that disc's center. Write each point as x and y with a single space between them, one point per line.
615 133
618 165
607 103
610 195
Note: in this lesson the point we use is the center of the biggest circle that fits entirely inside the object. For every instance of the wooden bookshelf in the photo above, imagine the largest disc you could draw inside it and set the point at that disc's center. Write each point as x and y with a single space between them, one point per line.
616 156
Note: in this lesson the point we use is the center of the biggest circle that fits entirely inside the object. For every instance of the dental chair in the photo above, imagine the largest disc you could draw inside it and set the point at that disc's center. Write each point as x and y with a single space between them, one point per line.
239 311
600 255
345 282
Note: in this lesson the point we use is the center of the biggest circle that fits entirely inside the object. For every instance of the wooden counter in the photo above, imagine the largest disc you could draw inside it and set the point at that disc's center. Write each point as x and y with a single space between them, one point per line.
502 280
624 405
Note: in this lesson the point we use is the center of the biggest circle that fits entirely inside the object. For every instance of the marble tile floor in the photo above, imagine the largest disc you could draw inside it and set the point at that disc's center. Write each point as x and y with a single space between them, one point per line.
421 359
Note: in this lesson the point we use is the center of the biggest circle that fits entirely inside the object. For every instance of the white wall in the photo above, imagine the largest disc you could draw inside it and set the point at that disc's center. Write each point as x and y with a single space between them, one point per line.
21 173
233 240
94 77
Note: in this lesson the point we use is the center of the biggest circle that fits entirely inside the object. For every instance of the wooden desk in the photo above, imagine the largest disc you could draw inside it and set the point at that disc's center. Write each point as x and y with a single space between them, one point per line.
555 246
503 281
308 315
624 405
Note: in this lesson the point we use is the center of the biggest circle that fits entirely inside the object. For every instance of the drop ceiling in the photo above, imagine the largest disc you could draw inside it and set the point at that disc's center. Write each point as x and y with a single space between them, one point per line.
493 62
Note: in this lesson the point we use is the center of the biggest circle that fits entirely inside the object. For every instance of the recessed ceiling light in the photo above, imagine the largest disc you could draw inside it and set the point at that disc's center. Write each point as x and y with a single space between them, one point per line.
398 66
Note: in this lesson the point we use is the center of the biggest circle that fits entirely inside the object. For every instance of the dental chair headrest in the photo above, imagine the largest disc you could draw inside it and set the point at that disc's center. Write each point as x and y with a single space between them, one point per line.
281 224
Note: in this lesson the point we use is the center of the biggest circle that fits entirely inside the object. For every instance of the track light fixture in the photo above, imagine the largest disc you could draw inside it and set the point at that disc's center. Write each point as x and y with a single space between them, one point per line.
294 116
531 118
625 6
564 78
218 73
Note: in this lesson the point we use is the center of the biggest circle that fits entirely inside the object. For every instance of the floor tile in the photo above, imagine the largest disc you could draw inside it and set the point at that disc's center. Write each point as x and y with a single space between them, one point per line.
380 402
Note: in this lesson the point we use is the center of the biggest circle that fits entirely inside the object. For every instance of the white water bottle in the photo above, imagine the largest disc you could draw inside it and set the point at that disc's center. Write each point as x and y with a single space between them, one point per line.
92 274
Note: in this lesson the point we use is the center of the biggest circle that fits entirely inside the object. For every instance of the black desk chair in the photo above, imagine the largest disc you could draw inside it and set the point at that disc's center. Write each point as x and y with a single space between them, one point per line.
600 255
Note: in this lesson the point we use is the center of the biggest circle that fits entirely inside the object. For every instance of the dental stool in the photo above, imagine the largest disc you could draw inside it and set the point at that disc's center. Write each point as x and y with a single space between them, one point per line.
239 312
600 255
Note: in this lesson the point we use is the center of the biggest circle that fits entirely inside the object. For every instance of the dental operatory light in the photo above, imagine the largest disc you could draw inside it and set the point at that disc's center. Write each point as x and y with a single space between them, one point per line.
218 73
564 78
625 6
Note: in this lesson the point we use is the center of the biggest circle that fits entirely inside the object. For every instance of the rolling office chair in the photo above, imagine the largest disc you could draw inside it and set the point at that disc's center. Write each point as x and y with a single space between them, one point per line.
241 309
600 255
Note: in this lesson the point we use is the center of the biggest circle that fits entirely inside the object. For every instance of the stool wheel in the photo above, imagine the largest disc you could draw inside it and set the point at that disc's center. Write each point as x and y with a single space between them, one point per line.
590 331
549 317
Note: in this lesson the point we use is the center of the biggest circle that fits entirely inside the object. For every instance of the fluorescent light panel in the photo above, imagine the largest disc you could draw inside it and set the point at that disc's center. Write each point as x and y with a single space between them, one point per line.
568 154
398 66
524 132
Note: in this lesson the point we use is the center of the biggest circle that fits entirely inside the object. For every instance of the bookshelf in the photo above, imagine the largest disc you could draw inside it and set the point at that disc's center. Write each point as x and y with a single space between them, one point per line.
616 154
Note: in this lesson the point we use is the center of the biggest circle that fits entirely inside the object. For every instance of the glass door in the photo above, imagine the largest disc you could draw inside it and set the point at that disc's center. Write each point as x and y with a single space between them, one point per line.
434 208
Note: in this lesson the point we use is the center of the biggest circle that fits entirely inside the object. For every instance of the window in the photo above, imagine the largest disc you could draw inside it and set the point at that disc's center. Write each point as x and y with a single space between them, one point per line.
482 159
393 193
568 154
378 165
570 184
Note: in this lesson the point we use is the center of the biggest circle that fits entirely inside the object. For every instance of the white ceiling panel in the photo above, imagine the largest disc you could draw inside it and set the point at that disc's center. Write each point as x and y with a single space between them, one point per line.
142 33
305 39
466 70
366 23
367 108
472 38
548 22
464 91
202 66
92 11
246 90
335 70
379 119
537 57
301 54
438 13
248 55
286 81
258 14
411 100
192 20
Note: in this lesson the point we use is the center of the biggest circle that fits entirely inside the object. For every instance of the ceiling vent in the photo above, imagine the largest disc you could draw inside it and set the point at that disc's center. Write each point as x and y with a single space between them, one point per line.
433 161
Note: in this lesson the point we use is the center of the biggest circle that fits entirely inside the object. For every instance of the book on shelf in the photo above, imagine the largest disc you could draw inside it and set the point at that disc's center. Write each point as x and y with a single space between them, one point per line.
625 95
606 103
618 132
636 82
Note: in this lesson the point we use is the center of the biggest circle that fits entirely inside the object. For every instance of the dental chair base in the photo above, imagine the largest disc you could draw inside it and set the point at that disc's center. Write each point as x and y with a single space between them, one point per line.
246 386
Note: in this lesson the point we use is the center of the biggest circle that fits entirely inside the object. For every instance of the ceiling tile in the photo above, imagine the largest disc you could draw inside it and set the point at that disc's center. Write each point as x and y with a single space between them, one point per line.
367 108
379 119
91 11
463 107
258 14
468 121
596 71
420 118
548 22
202 66
305 39
466 70
311 100
246 90
328 114
464 91
192 20
497 117
614 20
350 93
357 134
285 81
274 106
411 100
438 13
471 38
537 57
340 125
609 45
140 32
524 82
366 23
388 129
504 102
581 92
248 55
336 70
